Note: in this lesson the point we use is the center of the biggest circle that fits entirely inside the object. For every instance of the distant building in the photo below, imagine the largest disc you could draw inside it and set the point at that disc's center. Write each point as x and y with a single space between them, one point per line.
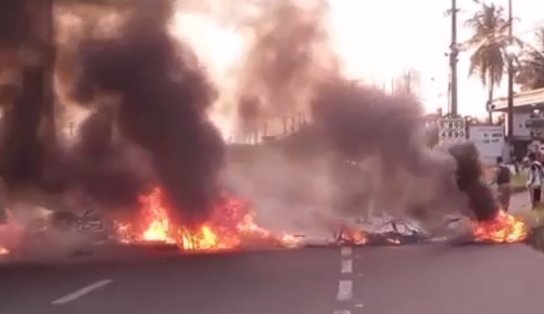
528 118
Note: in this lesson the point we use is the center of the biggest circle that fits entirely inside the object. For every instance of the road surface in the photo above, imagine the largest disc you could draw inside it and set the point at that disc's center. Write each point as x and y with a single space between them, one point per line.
520 202
413 279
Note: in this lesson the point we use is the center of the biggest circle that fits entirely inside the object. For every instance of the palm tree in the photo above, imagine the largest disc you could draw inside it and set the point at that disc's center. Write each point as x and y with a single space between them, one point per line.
531 64
489 41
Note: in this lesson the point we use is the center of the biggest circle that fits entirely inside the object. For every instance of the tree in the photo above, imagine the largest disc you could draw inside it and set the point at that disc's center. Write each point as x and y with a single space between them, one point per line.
531 64
489 41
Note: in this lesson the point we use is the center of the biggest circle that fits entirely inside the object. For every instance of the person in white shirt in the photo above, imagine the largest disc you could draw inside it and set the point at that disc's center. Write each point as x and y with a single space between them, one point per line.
535 180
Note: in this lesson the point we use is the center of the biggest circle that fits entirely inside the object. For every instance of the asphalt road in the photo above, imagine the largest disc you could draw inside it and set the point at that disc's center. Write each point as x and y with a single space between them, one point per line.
413 279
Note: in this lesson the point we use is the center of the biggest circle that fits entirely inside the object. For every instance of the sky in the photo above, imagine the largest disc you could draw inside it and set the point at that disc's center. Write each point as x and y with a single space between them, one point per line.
378 40
381 39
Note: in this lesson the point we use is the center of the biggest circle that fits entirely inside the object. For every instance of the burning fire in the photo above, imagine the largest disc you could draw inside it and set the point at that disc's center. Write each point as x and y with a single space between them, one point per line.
353 236
231 225
505 228
156 218
3 244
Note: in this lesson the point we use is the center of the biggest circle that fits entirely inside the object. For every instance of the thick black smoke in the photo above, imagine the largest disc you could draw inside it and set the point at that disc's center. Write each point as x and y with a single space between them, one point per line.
291 67
12 21
21 149
360 121
164 96
469 174
100 165
385 132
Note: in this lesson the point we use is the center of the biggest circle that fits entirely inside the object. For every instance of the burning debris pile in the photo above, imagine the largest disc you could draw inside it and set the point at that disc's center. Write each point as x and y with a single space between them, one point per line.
4 250
503 228
163 96
491 224
148 94
230 226
348 123
391 233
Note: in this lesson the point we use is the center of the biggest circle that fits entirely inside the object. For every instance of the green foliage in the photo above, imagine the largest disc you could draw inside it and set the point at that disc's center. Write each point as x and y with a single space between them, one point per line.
531 64
489 41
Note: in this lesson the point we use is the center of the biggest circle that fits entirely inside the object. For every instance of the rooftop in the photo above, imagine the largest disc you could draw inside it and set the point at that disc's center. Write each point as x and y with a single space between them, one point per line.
523 100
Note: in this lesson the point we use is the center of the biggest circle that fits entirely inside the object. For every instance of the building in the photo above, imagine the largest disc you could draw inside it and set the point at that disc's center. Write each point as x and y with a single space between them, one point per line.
528 118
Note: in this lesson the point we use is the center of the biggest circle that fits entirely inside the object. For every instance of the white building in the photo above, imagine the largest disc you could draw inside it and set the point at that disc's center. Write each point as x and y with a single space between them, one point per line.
528 118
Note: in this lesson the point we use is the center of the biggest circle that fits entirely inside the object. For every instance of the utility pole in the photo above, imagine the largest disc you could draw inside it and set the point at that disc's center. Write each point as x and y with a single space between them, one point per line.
408 79
510 108
453 57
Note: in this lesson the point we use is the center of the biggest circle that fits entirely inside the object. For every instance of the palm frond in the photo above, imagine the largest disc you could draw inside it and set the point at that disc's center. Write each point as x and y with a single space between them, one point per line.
490 42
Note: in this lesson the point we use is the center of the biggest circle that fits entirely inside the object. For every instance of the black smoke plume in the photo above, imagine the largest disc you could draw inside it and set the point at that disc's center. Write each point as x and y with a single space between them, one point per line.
360 121
12 21
21 149
164 96
290 63
99 166
385 132
469 174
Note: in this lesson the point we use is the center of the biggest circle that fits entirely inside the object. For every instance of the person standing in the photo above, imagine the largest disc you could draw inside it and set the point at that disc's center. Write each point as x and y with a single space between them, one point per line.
504 188
534 180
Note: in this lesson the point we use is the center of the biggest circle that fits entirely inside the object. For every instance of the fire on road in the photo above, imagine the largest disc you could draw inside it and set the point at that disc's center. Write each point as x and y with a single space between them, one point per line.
232 225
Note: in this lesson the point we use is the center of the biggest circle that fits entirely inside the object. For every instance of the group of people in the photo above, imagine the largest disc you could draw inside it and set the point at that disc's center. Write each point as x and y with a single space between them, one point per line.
534 183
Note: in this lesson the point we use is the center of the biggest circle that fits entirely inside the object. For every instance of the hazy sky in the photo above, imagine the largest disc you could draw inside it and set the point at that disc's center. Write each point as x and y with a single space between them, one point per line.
378 40
385 37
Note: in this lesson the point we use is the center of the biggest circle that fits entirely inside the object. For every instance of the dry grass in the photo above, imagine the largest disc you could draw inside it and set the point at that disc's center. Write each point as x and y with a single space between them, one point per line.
518 182
535 221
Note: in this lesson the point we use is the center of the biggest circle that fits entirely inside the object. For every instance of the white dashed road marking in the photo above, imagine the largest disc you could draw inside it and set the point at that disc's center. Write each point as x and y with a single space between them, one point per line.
345 287
345 290
345 251
81 292
347 266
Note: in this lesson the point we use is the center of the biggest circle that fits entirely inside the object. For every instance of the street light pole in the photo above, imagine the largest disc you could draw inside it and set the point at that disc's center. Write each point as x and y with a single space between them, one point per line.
510 108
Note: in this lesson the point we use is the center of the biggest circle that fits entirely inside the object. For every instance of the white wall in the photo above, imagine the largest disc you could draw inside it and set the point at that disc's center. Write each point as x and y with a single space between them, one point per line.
519 124
488 139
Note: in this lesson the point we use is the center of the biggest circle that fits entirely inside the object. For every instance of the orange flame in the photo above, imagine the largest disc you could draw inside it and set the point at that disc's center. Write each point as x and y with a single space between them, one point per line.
230 225
505 228
356 237
156 219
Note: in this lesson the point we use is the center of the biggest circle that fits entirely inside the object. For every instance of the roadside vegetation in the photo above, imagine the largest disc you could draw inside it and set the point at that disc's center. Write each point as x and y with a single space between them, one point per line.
518 182
536 238
535 221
